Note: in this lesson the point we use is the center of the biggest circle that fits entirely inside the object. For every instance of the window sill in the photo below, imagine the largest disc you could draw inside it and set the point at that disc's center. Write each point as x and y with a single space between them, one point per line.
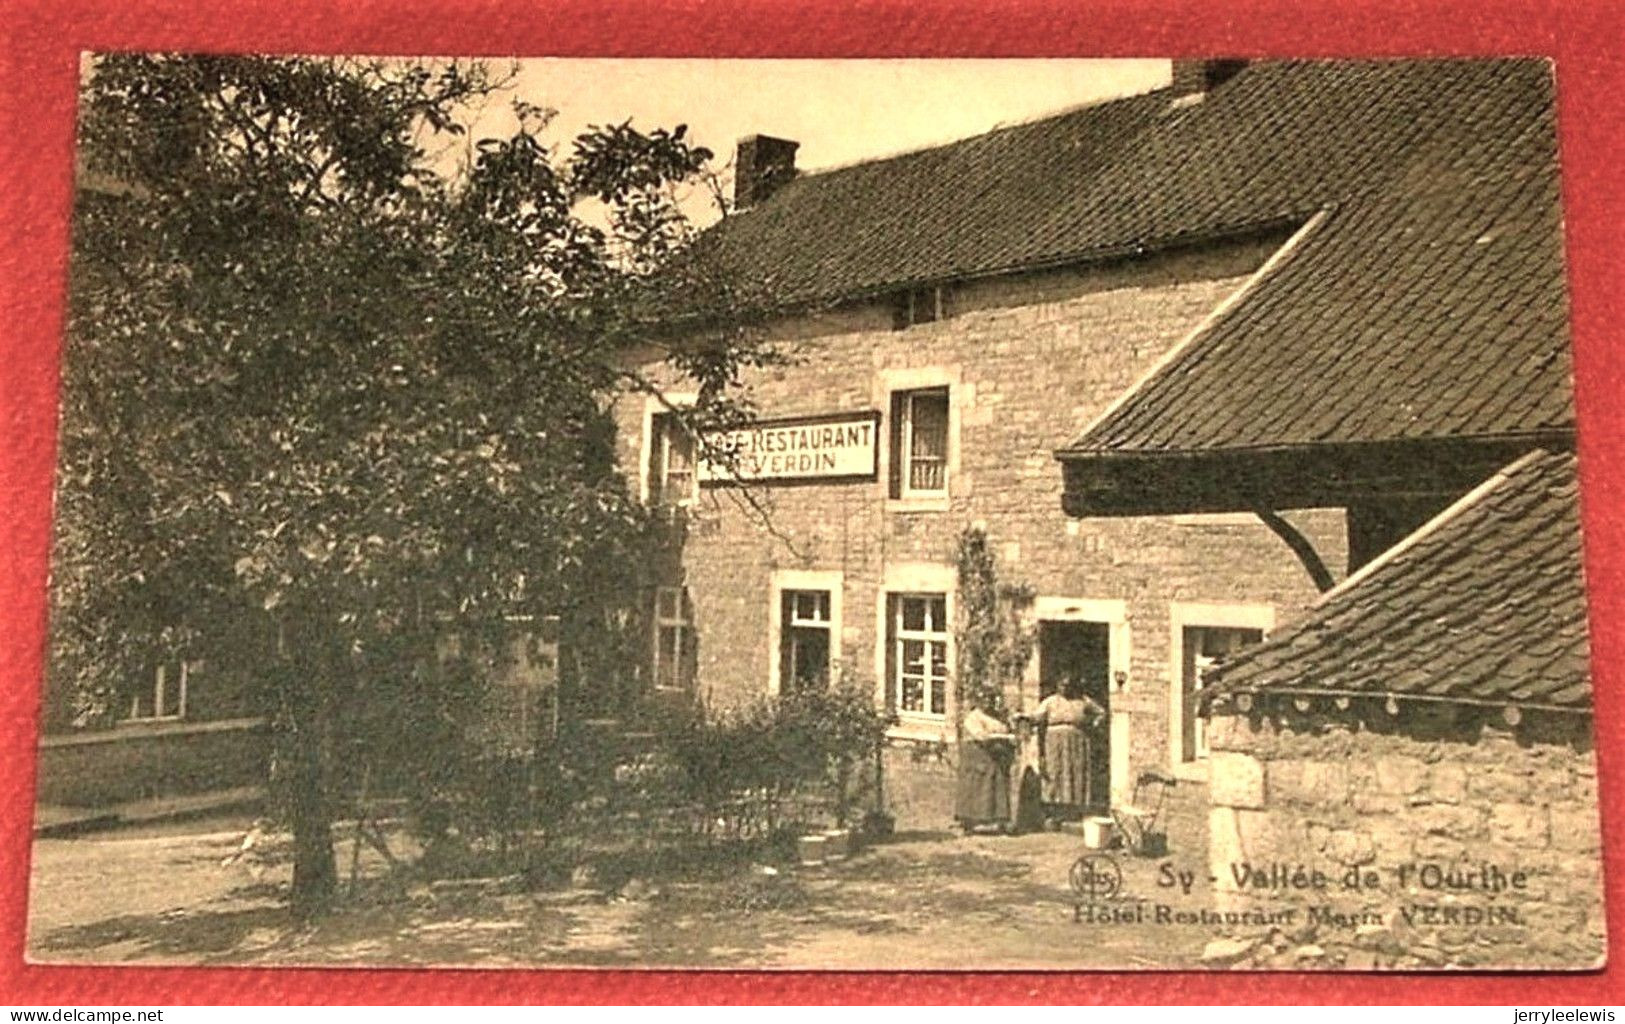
910 505
920 730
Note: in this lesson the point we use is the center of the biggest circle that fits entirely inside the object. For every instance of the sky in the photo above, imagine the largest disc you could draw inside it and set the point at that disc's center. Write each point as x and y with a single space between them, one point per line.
841 111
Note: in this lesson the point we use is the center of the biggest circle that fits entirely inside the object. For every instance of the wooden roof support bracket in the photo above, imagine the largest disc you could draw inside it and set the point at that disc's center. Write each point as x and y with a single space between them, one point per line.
1300 546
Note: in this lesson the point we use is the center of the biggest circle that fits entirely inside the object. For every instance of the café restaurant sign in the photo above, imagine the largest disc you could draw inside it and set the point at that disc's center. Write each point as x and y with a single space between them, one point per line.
840 445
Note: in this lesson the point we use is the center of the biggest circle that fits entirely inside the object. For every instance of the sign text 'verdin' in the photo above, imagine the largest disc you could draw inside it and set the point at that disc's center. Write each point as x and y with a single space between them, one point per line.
842 447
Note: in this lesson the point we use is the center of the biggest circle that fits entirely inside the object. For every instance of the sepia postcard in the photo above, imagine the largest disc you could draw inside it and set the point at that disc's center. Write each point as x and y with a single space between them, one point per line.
848 514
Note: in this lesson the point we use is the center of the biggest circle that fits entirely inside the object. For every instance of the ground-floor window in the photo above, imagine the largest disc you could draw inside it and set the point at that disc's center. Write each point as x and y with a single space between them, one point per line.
675 647
805 639
1204 647
919 638
163 695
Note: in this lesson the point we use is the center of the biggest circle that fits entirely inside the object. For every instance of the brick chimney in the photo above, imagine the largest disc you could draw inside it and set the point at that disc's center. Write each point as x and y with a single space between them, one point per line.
761 164
1200 77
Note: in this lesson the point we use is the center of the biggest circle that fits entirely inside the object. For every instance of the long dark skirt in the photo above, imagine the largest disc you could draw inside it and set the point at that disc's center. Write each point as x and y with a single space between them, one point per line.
1066 767
983 794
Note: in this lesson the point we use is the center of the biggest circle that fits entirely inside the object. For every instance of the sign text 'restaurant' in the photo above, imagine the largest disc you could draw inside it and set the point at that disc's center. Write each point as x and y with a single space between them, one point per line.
830 447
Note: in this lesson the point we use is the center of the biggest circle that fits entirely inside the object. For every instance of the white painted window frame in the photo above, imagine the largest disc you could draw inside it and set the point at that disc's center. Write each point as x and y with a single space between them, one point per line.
888 384
787 580
916 578
1183 615
906 489
653 407
933 635
160 682
681 621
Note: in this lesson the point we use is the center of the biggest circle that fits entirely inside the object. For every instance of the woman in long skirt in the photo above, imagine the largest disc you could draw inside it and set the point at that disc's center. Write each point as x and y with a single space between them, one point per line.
1067 721
983 794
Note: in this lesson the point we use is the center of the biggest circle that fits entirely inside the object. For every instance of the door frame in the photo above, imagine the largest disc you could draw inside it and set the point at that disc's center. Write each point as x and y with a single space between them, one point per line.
1113 614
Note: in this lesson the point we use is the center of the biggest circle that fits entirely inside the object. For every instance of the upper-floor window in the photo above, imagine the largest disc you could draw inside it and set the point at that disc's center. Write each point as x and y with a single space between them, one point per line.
920 443
162 695
922 306
672 480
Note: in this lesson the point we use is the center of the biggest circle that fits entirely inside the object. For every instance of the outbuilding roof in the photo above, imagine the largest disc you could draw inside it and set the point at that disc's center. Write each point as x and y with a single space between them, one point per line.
1484 604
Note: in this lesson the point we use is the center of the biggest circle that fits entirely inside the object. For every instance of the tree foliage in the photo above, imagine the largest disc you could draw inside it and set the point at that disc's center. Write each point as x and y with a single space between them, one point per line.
327 397
993 644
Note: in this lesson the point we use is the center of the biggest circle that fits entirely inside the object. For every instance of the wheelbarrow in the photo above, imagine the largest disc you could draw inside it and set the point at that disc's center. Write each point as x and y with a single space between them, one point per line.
1136 822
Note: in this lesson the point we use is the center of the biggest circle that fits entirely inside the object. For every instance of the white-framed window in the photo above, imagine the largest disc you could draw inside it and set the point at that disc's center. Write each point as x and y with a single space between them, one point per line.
672 477
1204 635
804 628
806 639
675 649
1204 647
923 305
163 696
920 442
918 634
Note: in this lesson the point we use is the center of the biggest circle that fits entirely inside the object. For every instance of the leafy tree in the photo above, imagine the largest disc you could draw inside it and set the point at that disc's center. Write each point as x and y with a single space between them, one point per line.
329 398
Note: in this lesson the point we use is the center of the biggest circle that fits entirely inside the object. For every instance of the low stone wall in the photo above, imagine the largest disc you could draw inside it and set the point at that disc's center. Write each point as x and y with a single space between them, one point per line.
1438 837
141 762
919 781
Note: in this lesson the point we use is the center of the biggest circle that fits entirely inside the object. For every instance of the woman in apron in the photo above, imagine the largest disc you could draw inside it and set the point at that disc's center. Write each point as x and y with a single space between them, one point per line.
982 799
1066 722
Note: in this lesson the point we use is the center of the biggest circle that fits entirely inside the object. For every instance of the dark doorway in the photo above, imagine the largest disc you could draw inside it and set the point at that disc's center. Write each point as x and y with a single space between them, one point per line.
1082 649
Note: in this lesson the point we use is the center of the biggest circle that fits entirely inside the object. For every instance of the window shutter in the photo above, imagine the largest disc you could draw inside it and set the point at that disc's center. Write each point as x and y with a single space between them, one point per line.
898 463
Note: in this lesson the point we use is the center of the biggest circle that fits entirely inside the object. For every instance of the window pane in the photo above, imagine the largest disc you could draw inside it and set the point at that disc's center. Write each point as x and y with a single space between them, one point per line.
809 658
686 660
939 698
939 660
666 603
912 697
939 615
665 657
171 694
679 449
914 613
677 469
914 657
929 413
823 605
927 475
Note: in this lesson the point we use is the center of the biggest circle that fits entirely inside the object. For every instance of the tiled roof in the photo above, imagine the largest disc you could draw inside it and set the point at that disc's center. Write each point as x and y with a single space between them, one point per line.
1484 604
1429 304
1267 148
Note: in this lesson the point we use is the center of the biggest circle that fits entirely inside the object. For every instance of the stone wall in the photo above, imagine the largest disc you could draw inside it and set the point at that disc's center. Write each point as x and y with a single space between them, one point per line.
147 761
1442 837
1033 360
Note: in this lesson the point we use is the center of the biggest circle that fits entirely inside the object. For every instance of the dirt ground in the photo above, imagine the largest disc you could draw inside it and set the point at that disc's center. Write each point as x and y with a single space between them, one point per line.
928 900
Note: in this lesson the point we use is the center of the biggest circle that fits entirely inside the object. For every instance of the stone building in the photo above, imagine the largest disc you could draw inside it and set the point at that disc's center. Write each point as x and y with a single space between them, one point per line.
1428 726
957 317
1402 774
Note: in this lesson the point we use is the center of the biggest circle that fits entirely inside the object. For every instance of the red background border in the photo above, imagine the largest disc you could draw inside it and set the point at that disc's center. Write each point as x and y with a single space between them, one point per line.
38 75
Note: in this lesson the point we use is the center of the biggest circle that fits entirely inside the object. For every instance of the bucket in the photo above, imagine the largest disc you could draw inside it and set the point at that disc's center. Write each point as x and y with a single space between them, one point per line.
811 850
1098 833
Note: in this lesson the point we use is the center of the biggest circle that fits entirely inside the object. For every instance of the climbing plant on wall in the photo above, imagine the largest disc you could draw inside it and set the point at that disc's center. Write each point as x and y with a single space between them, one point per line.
994 644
